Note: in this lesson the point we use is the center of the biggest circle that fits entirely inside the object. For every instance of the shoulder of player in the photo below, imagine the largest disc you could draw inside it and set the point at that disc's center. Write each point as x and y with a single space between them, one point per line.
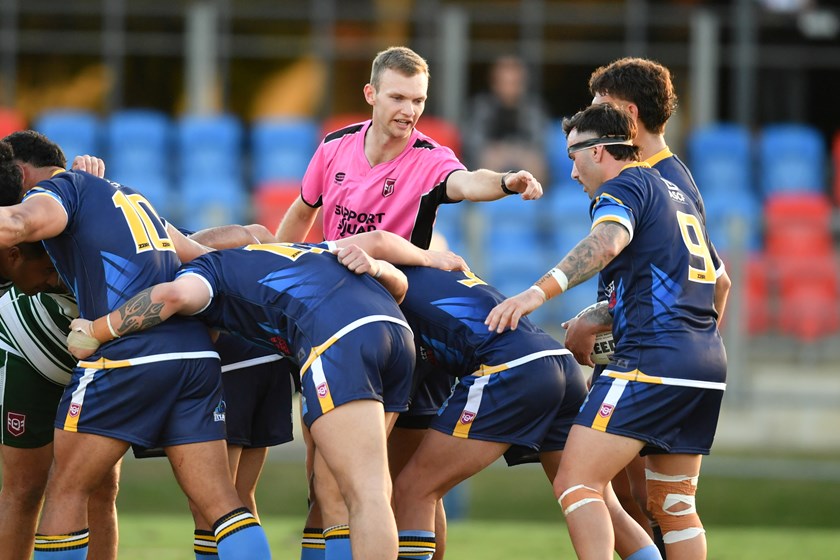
343 132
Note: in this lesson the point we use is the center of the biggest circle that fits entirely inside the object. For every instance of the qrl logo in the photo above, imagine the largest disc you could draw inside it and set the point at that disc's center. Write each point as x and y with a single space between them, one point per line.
467 417
606 410
322 390
16 424
75 408
388 189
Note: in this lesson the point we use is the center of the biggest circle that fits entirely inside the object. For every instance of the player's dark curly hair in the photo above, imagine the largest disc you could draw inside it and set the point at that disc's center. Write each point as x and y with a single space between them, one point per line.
607 119
645 83
36 149
11 179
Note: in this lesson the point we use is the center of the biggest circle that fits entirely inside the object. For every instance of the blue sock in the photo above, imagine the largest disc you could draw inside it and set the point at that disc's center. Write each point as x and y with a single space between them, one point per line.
239 536
312 544
204 545
337 543
649 552
70 546
417 545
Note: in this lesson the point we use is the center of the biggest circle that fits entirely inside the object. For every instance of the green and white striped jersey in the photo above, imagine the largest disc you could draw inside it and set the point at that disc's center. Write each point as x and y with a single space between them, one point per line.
35 328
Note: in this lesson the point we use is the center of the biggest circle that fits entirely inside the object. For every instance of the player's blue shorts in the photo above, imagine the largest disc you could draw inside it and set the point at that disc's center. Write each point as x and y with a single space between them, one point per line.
669 418
257 387
170 402
530 402
431 391
372 361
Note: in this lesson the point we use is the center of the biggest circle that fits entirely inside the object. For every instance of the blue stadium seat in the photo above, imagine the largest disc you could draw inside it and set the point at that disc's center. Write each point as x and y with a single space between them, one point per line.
139 142
559 164
567 220
207 204
209 145
791 158
720 158
76 132
281 149
451 223
157 190
721 210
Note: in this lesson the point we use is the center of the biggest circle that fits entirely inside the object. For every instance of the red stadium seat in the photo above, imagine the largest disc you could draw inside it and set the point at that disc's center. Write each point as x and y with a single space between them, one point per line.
442 131
808 289
271 200
10 121
757 294
798 224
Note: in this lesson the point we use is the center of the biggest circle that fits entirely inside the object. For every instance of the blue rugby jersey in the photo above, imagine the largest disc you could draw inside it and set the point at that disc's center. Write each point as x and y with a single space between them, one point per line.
446 311
661 287
287 296
114 246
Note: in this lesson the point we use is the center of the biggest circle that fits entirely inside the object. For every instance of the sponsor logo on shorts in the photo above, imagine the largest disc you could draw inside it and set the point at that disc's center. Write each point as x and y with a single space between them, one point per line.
322 390
388 189
16 423
339 177
467 416
75 409
219 412
606 410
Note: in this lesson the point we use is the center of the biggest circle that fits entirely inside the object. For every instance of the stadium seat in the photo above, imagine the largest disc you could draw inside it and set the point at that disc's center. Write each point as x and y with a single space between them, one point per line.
10 121
791 158
222 202
720 159
757 296
441 131
798 224
270 202
451 222
209 145
281 149
76 132
559 164
139 142
808 289
566 218
722 210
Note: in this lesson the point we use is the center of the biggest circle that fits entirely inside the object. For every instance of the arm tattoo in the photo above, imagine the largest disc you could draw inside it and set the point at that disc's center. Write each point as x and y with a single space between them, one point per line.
594 252
600 315
139 313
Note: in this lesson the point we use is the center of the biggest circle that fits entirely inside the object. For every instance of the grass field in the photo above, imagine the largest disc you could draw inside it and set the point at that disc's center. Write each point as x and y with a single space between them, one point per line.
168 537
511 514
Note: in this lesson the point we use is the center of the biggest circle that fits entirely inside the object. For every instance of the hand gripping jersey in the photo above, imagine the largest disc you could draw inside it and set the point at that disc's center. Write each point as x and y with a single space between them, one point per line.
400 196
661 286
113 247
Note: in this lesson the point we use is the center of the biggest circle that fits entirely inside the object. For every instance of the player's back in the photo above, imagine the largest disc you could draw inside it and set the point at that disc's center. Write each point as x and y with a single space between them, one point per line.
662 284
446 311
287 294
114 246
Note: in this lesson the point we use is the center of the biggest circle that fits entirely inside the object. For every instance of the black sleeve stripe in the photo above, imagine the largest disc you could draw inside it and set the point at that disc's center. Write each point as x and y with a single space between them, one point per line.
352 129
419 143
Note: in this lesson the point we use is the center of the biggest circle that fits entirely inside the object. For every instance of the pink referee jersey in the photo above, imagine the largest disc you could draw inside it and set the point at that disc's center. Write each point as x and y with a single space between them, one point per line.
400 196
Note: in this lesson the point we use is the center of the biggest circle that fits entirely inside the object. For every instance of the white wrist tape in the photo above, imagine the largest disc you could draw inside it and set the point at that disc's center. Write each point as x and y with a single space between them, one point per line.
110 328
539 291
560 277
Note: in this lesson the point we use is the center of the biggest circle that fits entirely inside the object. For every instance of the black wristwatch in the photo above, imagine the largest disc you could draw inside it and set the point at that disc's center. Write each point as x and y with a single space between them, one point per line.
504 186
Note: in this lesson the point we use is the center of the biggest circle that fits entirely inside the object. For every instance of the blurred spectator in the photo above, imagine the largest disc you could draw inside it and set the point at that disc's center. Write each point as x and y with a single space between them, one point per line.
508 125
